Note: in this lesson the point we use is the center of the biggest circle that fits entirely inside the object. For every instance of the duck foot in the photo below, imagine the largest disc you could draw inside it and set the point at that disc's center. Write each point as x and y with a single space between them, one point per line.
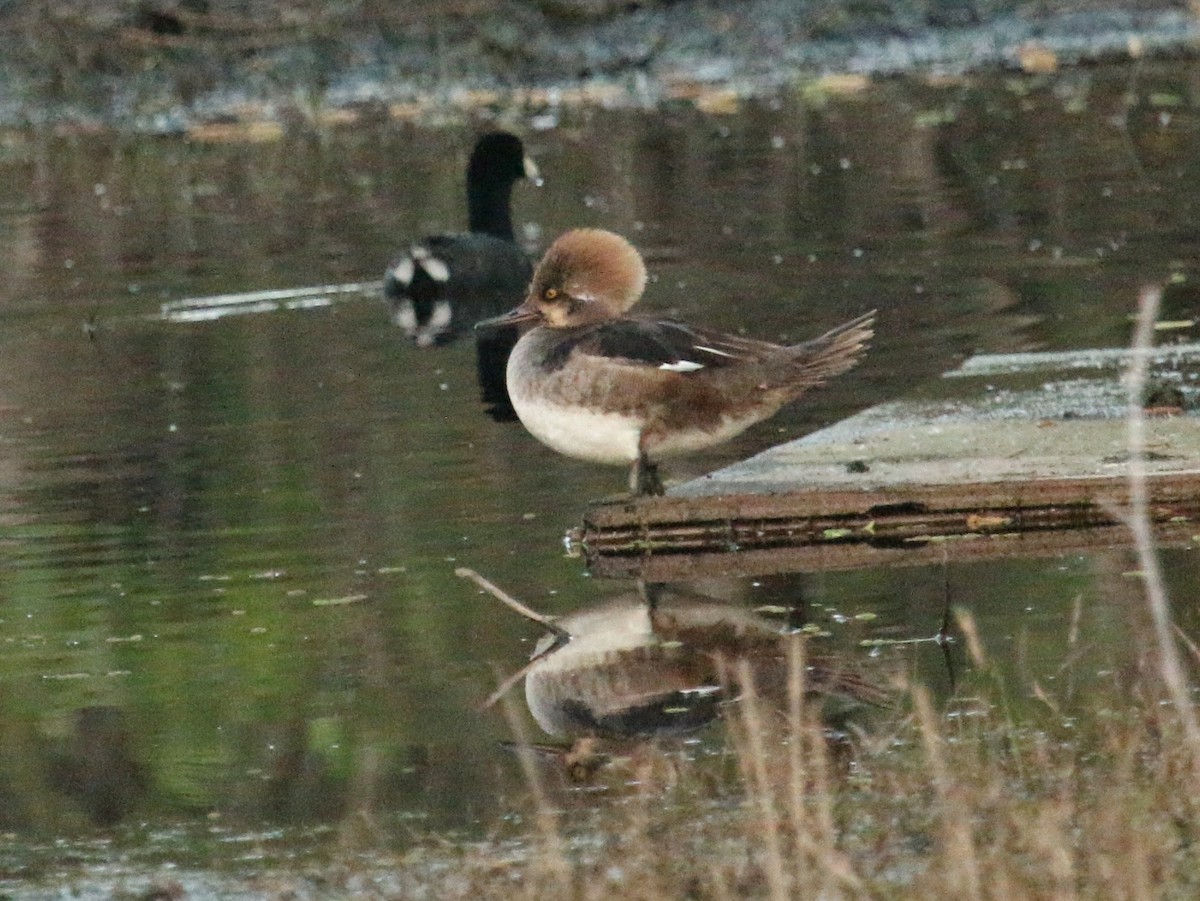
644 478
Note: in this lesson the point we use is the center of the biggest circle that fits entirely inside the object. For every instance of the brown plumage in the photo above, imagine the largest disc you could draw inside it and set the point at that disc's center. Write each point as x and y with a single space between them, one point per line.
594 383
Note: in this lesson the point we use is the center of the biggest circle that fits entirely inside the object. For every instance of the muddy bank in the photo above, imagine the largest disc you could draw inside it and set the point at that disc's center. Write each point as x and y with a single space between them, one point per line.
164 66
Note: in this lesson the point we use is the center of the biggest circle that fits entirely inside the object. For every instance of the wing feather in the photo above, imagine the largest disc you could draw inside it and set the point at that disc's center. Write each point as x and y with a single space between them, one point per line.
669 345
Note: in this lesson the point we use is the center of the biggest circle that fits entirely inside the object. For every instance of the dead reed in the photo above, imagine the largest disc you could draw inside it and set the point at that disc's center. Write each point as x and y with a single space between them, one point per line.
1138 520
937 799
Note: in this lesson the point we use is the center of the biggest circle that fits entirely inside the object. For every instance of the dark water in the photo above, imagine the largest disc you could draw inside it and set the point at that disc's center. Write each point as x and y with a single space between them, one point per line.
228 599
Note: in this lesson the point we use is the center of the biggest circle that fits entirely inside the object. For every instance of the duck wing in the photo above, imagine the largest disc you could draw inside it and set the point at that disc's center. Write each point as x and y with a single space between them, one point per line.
706 356
665 344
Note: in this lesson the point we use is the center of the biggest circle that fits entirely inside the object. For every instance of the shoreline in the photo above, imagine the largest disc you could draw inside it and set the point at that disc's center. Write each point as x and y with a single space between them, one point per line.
136 79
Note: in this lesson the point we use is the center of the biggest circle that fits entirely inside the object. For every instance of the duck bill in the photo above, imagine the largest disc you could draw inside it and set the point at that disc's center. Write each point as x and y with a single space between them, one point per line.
516 316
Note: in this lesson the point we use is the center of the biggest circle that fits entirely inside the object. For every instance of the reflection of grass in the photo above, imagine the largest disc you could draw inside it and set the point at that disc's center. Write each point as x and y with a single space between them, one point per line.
969 800
965 802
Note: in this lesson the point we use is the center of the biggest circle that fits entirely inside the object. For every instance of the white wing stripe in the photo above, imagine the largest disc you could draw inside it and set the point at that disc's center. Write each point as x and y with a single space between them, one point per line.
714 351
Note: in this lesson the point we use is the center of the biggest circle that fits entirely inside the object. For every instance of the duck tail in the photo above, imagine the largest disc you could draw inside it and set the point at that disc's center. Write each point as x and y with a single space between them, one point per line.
833 353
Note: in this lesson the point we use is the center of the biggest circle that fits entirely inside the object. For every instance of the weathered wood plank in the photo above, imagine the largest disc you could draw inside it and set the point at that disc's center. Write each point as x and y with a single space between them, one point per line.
1016 466
689 537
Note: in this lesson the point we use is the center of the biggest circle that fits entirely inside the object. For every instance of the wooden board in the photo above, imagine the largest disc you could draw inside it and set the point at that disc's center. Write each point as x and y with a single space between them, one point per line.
1008 464
672 538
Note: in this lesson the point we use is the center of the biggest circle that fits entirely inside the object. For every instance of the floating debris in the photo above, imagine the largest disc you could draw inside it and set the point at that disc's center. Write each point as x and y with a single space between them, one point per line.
217 306
338 602
1093 358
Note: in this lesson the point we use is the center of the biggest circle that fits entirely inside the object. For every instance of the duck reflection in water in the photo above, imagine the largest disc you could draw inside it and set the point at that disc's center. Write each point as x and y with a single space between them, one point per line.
660 663
439 283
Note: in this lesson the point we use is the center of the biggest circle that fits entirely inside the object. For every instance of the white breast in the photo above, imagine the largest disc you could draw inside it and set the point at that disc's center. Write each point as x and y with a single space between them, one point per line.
578 432
571 429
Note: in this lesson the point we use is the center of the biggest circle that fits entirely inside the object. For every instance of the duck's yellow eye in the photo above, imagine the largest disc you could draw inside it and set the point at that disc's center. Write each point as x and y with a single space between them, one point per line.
550 293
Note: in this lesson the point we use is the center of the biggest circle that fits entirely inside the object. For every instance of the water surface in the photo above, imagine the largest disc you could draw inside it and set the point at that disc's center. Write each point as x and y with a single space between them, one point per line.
228 602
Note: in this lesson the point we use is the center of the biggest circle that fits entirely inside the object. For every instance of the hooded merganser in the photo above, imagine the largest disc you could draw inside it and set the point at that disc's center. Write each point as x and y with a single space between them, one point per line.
594 384
441 278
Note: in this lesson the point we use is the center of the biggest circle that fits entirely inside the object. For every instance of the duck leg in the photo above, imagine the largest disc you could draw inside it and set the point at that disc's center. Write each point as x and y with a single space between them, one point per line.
650 592
644 478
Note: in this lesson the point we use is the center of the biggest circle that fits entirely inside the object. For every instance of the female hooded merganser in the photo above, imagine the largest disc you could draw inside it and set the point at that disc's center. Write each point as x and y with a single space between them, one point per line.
594 384
441 278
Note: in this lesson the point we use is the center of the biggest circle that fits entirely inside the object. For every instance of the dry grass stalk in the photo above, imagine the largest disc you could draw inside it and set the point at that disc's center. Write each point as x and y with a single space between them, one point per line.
760 783
561 636
958 844
832 863
1170 665
552 860
796 766
784 758
966 625
546 622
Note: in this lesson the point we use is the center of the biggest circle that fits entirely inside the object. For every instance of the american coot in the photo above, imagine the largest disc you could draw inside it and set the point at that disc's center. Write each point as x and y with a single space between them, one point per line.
441 282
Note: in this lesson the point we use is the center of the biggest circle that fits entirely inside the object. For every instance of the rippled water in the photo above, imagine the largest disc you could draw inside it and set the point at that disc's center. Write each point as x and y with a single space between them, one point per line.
228 591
